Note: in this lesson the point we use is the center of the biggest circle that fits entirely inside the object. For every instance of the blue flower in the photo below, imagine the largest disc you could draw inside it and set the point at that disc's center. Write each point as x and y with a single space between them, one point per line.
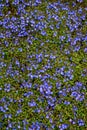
1 23
15 2
85 50
74 94
77 48
2 35
32 104
7 87
43 33
63 126
80 1
19 111
19 126
80 10
58 85
38 1
55 34
28 94
2 109
17 63
81 122
6 43
20 49
13 18
10 125
66 102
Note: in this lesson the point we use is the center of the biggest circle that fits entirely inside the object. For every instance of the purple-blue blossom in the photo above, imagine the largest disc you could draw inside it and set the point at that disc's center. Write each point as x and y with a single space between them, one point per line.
81 122
63 126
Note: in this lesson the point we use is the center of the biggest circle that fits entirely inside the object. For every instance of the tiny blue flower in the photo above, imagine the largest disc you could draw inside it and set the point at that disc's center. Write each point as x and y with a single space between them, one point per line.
80 122
43 33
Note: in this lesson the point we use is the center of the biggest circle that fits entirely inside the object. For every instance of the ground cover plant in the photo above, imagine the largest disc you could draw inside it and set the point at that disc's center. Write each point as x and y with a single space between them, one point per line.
43 65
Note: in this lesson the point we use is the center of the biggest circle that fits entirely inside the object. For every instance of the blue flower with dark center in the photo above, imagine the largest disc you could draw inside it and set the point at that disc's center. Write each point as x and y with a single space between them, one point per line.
43 33
74 94
81 122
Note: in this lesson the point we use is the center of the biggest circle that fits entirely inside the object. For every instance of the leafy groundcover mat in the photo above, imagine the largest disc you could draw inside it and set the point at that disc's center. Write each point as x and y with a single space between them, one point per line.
43 64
